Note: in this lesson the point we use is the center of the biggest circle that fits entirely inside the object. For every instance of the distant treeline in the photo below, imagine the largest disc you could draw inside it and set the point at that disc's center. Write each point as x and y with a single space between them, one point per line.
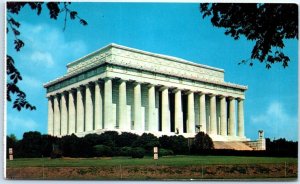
110 143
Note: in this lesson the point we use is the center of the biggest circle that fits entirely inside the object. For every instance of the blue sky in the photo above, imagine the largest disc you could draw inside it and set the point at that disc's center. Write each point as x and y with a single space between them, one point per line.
172 29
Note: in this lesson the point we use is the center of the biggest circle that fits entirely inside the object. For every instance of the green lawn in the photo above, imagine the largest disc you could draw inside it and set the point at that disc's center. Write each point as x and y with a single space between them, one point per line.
126 161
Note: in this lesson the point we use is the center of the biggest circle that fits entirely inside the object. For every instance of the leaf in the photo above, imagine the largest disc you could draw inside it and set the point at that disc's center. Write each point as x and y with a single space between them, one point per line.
83 22
18 44
12 21
16 32
73 14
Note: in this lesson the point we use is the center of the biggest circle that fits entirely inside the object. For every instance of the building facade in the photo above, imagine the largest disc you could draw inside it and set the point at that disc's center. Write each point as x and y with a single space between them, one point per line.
124 89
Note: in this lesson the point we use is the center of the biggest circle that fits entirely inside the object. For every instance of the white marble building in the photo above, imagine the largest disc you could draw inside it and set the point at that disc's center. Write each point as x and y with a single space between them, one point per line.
124 89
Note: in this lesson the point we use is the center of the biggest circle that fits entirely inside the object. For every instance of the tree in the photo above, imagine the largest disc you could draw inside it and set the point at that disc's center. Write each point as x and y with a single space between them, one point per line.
203 142
266 24
13 74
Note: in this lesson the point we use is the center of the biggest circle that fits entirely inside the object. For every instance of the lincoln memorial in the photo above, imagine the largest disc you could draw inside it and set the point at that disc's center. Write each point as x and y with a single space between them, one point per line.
129 90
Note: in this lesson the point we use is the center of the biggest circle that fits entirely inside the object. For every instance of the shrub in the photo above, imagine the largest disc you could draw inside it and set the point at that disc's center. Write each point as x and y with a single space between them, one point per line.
202 142
137 152
56 154
147 141
164 152
125 151
102 150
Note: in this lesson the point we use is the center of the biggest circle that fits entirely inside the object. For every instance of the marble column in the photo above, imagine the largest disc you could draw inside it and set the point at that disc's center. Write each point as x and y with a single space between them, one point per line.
64 114
80 111
152 124
223 109
89 108
241 132
56 116
137 103
191 113
213 115
232 131
98 107
178 112
72 113
202 113
123 123
165 112
50 116
108 116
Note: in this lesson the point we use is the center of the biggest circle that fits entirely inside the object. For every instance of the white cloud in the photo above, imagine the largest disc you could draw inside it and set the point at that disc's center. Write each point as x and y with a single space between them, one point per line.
15 124
31 82
42 58
277 122
46 46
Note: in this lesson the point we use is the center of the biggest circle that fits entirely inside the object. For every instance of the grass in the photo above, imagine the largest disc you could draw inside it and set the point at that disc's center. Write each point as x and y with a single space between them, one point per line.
183 160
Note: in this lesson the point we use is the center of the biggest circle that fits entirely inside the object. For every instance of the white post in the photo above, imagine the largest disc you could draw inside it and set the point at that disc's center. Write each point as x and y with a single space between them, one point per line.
153 126
64 114
213 115
56 116
202 113
166 127
223 108
50 116
108 116
123 124
191 113
137 100
232 131
80 111
88 109
98 107
178 112
241 132
72 113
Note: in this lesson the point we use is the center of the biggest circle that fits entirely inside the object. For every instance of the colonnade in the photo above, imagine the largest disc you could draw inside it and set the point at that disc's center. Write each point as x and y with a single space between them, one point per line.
89 107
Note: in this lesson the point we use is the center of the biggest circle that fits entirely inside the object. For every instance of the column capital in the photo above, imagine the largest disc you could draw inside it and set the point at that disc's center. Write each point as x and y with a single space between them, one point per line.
211 94
107 78
240 99
161 88
231 98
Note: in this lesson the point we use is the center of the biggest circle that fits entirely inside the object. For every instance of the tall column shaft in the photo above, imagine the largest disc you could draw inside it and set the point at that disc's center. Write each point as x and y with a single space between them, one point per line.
123 123
98 107
108 116
166 126
56 116
202 113
241 132
72 114
80 111
223 108
213 115
152 124
89 114
178 112
191 113
232 131
50 116
137 101
64 114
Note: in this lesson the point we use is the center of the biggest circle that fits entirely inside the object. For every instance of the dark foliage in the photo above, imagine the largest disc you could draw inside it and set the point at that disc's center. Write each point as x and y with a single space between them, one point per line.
281 145
165 152
102 150
126 139
147 141
34 144
137 152
266 24
13 74
178 144
202 142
